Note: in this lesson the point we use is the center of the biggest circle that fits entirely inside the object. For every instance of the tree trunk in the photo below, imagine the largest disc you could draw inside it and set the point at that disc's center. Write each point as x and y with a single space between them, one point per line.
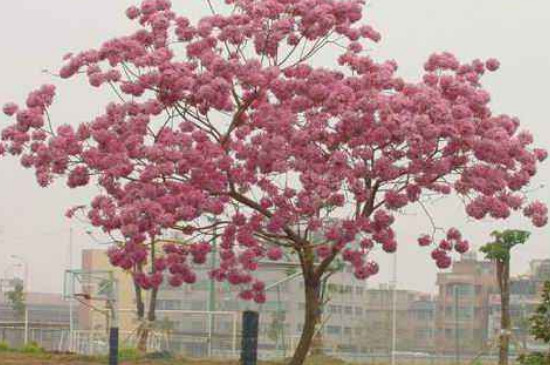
146 324
140 309
145 327
317 345
310 321
503 272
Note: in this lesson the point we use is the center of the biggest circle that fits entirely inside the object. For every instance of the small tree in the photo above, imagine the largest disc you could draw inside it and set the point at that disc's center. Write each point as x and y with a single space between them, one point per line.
499 251
16 299
540 329
540 321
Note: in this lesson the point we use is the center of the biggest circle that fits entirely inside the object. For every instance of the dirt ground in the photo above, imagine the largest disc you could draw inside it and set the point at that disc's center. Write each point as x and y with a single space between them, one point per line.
14 358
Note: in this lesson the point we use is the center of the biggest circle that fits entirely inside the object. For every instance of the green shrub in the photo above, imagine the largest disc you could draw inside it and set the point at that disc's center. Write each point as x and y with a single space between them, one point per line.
535 358
4 346
128 353
32 348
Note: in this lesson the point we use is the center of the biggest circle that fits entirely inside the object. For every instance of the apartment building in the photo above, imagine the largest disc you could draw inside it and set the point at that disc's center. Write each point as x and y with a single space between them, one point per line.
463 309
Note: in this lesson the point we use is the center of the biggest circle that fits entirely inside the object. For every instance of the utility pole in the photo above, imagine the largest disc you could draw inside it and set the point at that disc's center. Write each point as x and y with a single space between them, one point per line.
71 309
457 339
26 329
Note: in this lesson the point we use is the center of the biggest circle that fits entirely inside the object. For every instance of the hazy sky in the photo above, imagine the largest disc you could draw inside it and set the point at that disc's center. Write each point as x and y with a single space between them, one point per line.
35 34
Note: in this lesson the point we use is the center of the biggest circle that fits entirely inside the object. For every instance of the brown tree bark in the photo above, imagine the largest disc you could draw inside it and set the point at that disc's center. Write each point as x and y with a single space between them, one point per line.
503 273
145 327
146 324
310 321
140 309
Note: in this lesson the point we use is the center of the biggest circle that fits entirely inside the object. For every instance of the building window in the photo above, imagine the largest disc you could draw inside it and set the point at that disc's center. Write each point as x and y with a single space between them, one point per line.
348 310
424 333
359 290
231 305
197 325
347 331
358 311
225 326
197 305
334 330
168 304
335 309
465 313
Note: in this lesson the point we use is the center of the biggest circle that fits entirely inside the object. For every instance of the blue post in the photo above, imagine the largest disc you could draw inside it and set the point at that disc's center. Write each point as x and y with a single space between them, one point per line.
113 346
249 344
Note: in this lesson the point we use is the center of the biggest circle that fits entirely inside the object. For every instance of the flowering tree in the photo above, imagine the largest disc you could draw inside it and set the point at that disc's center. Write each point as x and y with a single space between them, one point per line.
225 127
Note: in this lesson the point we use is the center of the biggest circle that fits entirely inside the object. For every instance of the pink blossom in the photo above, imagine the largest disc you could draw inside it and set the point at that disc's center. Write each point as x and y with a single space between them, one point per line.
453 234
389 246
259 298
132 12
425 240
362 272
445 245
492 64
540 153
444 262
10 109
323 251
395 200
246 295
274 253
462 246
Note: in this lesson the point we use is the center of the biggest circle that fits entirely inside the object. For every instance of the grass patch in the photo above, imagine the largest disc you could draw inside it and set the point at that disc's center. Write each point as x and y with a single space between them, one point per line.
4 346
32 348
129 353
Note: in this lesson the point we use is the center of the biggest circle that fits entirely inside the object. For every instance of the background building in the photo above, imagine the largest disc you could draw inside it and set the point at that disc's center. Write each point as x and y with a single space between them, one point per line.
462 314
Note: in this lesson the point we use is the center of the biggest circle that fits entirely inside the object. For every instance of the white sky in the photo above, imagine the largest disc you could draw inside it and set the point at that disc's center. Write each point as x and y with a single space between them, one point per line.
35 34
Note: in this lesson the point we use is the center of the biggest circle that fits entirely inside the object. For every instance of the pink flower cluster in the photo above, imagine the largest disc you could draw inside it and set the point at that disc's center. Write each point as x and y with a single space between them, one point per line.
228 118
441 254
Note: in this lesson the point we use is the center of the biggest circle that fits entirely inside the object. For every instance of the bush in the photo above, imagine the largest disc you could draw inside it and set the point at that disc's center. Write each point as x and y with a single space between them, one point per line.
32 348
128 353
535 358
4 346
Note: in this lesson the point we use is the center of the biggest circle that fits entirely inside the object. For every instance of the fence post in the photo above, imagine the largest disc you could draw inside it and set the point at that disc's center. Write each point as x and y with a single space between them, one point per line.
113 345
249 344
26 334
113 333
